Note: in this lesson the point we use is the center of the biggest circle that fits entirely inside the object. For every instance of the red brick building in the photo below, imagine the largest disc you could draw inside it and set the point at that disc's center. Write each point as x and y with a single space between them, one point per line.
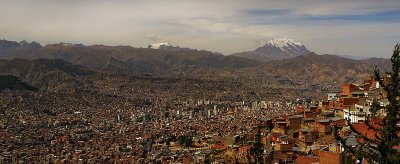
294 122
348 89
328 157
348 102
307 159
323 126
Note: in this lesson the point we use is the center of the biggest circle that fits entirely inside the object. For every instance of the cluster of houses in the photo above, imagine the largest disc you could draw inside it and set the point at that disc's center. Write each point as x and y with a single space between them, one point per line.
309 136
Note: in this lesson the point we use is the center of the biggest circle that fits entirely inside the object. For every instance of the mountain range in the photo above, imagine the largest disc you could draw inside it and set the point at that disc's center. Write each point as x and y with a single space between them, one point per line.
288 69
46 73
9 47
136 60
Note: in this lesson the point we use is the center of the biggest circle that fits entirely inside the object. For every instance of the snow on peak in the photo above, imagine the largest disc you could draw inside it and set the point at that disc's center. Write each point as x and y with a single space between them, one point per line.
158 45
284 42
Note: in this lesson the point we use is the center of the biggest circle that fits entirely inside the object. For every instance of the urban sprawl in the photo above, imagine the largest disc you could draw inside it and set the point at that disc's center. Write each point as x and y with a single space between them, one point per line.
52 128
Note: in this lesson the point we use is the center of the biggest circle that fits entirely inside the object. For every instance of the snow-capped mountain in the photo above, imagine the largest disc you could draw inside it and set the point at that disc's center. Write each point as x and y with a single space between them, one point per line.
276 49
286 44
166 46
158 45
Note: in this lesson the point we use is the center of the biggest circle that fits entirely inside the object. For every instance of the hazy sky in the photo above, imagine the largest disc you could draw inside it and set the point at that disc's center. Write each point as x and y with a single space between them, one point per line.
348 27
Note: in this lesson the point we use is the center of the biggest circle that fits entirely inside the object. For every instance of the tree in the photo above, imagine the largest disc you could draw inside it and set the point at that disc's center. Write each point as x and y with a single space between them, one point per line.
375 107
207 161
346 157
380 150
189 141
186 140
257 150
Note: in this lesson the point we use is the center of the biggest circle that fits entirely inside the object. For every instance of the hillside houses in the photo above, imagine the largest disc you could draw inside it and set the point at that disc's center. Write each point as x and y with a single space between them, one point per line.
308 135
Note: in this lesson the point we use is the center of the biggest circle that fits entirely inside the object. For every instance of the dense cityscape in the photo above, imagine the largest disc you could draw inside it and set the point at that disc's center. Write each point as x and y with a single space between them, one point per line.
88 128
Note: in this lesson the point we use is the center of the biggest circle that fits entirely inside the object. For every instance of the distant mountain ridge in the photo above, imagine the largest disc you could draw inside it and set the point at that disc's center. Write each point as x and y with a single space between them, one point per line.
45 73
325 68
184 61
58 66
8 47
126 59
276 49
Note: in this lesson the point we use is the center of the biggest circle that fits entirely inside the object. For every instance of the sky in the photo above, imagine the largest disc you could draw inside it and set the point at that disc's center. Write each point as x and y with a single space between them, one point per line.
368 28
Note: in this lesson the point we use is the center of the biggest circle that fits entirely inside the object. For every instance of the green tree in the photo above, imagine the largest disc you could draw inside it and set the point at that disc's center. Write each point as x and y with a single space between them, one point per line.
189 141
186 140
257 150
375 107
346 157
